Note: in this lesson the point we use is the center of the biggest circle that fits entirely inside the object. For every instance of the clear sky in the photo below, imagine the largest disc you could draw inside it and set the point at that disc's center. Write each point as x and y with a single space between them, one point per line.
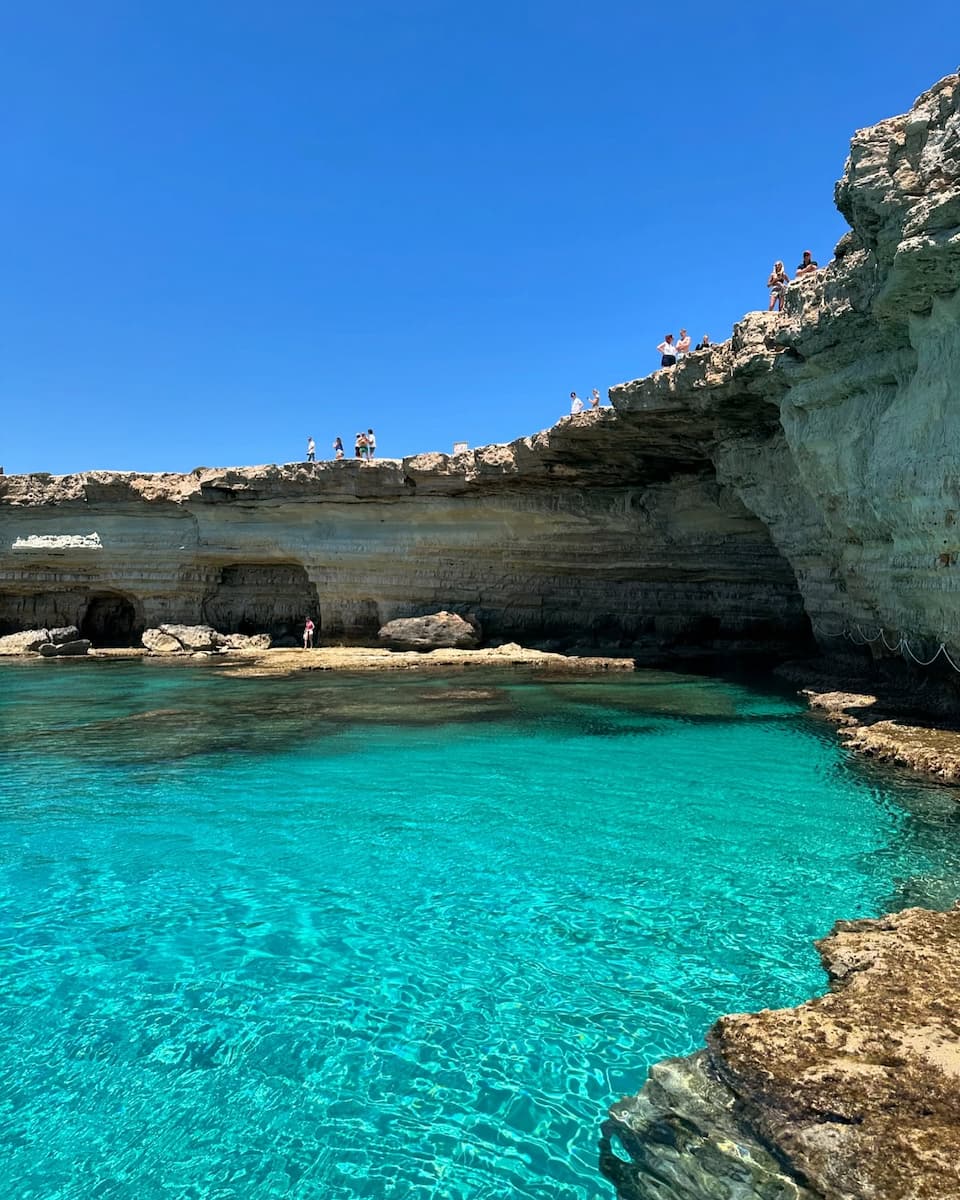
229 225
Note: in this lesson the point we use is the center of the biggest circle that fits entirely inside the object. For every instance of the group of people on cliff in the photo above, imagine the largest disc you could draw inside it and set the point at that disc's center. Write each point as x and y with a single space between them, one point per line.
364 447
577 405
673 351
777 283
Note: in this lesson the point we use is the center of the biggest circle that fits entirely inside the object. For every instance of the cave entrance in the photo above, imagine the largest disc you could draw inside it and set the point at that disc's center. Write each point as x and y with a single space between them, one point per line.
274 598
110 619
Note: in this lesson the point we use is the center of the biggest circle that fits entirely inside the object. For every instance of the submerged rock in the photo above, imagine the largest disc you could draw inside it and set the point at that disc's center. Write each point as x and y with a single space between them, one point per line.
438 631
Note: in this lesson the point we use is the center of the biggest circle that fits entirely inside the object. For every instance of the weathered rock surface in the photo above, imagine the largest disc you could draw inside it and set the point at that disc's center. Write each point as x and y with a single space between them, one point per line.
158 642
72 649
436 631
192 637
25 642
854 1094
837 424
199 639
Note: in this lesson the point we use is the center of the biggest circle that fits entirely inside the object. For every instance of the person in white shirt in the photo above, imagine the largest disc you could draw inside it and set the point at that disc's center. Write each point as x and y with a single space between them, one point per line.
371 444
668 351
576 404
311 450
683 345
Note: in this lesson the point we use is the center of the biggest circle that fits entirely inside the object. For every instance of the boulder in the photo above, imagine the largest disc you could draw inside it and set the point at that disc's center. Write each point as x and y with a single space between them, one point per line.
24 642
158 642
67 633
192 637
73 649
437 631
243 641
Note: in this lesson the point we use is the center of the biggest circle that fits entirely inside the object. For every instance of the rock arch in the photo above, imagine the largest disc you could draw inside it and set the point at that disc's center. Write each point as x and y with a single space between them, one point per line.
111 619
269 598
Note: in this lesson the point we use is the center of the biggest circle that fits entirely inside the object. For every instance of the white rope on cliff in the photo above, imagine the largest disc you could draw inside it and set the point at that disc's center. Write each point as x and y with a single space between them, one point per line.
902 646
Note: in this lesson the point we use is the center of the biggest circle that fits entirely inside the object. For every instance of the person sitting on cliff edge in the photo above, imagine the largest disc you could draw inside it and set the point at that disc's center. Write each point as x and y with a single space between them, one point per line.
668 351
807 267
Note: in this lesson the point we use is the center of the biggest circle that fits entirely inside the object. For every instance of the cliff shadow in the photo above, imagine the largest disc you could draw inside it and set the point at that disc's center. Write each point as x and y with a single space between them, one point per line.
272 598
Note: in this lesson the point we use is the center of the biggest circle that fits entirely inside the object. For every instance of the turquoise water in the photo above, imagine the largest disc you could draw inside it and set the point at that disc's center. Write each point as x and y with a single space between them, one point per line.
394 936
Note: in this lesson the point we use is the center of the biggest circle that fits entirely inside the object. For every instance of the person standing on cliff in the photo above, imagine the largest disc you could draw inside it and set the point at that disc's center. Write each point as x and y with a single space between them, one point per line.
807 267
683 345
777 283
338 448
576 405
668 351
371 444
360 446
311 450
595 399
308 629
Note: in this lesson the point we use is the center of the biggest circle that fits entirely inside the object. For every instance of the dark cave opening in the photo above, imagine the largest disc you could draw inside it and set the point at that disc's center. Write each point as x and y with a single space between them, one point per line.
110 619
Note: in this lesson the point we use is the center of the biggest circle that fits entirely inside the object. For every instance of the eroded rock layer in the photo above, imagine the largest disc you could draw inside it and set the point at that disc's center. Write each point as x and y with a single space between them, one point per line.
552 536
837 424
854 1096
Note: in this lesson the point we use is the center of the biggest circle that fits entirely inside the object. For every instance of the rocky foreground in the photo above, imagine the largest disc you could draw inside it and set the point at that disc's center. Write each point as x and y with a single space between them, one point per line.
855 1094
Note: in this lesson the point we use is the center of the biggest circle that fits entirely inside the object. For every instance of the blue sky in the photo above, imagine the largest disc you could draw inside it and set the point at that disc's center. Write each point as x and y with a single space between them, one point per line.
231 225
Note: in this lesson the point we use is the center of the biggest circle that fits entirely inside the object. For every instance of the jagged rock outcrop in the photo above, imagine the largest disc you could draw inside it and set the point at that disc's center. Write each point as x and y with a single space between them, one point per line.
854 1094
436 631
853 468
837 424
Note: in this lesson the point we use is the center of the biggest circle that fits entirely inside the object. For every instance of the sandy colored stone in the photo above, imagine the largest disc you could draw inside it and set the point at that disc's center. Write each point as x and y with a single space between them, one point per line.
933 751
158 642
857 1092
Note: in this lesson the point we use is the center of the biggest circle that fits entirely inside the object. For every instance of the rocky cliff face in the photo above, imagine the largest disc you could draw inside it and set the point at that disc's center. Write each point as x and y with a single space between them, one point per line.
838 423
589 530
804 469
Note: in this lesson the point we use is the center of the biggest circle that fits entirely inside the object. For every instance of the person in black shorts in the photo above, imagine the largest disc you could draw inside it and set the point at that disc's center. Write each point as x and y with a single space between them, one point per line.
668 351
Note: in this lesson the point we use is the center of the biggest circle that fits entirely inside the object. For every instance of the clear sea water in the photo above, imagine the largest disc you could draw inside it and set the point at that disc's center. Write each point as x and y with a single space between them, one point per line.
396 936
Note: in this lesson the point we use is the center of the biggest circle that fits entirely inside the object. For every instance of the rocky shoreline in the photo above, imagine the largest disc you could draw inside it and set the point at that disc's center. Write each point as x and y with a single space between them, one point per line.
853 1094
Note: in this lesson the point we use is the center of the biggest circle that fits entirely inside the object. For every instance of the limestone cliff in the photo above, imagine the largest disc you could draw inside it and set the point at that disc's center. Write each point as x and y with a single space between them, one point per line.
802 474
589 530
838 423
